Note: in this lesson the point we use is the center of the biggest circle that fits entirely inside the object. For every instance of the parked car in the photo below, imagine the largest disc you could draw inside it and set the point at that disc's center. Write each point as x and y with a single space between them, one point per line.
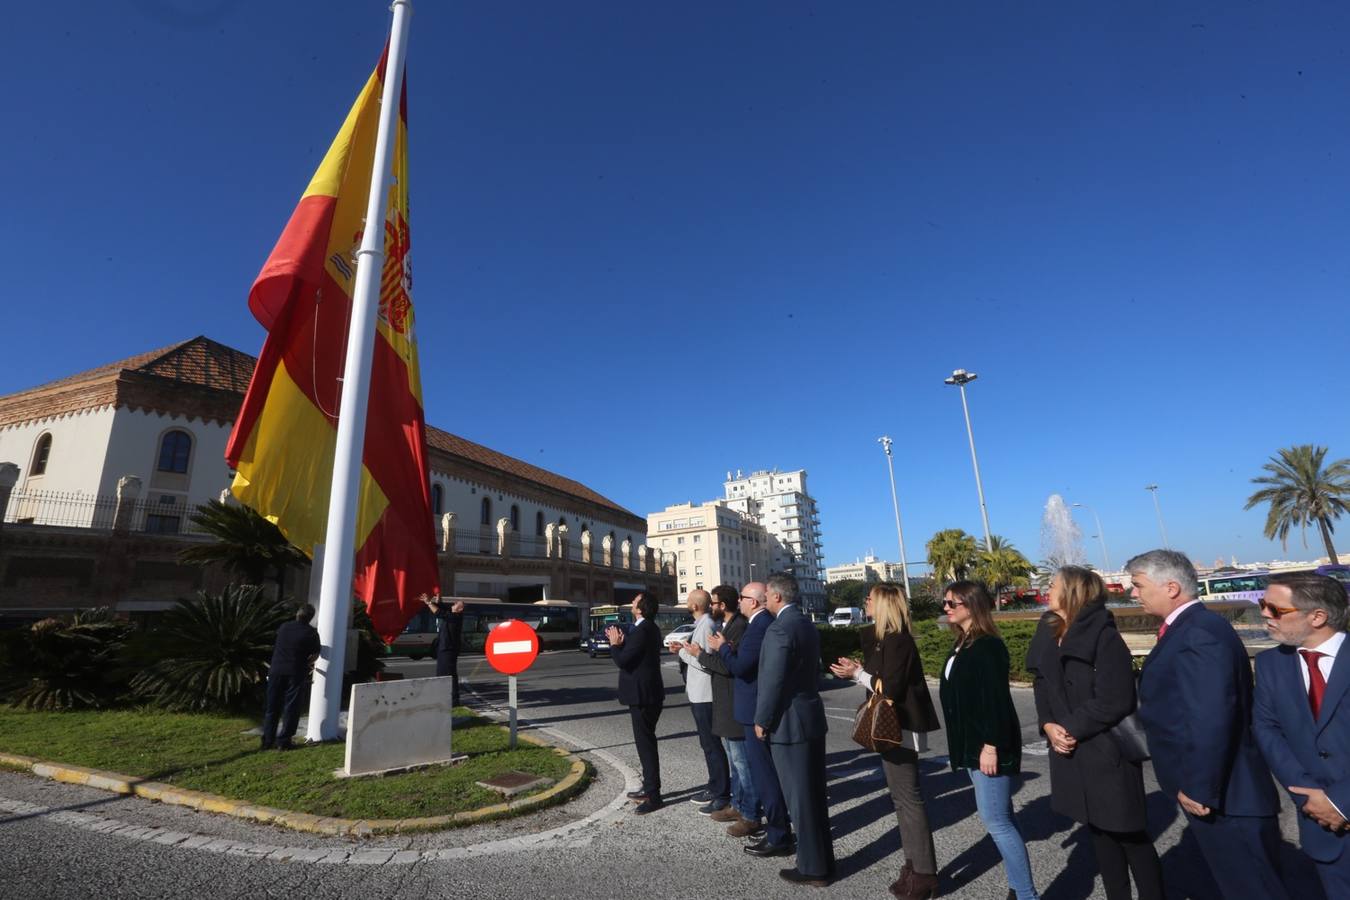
596 644
681 633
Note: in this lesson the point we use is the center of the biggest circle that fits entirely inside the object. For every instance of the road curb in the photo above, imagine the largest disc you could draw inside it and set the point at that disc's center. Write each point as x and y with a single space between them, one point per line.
171 795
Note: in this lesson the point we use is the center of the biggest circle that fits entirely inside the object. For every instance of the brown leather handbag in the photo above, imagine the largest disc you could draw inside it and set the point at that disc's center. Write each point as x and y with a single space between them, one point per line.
876 726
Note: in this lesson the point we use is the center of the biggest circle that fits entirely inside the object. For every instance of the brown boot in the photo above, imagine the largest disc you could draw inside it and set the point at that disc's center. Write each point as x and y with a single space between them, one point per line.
745 828
727 814
900 887
919 887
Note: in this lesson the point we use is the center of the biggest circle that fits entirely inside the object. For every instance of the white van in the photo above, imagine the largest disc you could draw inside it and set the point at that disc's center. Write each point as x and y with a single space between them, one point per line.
846 616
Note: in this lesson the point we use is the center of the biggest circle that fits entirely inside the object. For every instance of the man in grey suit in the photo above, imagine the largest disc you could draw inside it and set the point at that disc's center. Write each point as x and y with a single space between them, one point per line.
791 717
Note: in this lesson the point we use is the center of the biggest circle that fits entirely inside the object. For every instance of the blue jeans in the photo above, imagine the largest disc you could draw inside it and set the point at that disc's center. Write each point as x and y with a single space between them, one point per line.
993 801
743 795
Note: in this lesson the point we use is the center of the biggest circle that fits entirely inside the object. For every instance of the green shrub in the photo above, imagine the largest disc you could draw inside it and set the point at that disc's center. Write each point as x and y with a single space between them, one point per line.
935 642
213 651
59 664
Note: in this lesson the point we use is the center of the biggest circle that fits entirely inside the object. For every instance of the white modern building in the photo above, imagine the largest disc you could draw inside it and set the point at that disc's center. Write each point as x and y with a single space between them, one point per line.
711 544
780 502
869 569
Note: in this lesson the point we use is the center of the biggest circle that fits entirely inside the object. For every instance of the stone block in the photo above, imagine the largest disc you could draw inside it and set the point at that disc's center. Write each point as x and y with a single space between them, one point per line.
398 724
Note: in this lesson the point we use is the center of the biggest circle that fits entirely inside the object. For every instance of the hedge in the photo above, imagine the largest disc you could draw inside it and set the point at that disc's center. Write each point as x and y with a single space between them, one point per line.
935 642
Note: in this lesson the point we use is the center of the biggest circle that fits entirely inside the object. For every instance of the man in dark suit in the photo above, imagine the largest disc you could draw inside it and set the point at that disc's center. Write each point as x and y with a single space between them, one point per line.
448 637
789 715
638 656
1302 714
293 654
742 660
1195 703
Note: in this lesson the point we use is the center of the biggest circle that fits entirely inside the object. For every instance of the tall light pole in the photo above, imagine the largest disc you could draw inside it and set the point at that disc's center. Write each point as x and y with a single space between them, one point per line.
886 442
1101 535
961 378
1153 489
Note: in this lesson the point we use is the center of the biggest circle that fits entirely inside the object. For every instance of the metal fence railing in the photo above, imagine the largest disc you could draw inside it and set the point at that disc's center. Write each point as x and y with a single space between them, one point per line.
71 509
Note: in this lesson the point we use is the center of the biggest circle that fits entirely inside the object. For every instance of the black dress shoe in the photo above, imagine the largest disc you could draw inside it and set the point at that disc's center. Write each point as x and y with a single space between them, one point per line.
637 795
765 849
796 877
651 804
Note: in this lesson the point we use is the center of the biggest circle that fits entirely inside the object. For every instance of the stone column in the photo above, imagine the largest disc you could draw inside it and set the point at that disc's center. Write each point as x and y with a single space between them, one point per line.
448 532
9 476
607 550
128 491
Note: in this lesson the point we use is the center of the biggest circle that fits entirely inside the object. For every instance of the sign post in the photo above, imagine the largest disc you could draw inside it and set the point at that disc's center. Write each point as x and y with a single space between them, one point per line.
511 649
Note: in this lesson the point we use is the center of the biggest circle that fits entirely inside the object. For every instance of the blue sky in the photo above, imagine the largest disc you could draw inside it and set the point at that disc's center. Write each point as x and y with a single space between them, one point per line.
1130 222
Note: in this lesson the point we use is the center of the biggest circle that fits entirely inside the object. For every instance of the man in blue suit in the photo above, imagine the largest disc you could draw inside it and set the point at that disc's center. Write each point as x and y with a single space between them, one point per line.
1302 714
789 715
742 660
641 689
1195 703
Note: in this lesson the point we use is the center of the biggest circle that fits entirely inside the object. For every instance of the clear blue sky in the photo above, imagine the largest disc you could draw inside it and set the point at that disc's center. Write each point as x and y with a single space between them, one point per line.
1132 224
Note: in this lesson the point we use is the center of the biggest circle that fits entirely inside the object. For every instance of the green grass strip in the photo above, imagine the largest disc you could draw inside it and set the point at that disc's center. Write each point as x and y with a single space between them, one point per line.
209 753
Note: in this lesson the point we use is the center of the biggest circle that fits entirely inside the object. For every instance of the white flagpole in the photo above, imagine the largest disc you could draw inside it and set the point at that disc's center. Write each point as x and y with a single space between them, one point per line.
335 591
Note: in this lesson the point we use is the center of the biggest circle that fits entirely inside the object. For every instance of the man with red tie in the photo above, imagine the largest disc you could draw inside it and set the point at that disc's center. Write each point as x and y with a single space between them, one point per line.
1302 714
1195 703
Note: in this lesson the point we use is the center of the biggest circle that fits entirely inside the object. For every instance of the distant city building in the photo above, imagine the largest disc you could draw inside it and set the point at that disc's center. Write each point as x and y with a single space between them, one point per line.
711 544
869 569
780 502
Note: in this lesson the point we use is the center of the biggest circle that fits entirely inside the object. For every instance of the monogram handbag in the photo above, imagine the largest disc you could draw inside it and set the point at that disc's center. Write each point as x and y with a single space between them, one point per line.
876 726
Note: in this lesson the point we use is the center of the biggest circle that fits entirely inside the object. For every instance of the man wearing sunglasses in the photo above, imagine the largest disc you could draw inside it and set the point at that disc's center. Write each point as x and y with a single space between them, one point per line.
1302 714
1195 703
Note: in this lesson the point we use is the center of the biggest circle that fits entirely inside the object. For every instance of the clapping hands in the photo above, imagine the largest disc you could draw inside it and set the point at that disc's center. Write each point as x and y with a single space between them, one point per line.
845 668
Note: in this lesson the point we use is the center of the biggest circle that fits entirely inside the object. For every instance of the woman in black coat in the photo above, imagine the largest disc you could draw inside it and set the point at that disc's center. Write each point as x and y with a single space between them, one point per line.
1084 686
891 665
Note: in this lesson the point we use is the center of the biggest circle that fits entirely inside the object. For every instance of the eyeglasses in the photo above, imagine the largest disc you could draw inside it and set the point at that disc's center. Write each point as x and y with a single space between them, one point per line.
952 604
1277 611
748 597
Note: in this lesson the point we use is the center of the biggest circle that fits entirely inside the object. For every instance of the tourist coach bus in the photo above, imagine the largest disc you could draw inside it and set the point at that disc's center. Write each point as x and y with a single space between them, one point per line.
1251 585
557 622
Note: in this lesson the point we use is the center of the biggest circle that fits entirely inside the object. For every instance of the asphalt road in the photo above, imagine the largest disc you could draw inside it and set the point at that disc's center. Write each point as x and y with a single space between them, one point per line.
65 841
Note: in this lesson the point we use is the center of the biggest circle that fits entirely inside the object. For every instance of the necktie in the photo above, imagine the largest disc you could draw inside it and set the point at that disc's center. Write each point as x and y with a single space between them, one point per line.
1317 685
1162 629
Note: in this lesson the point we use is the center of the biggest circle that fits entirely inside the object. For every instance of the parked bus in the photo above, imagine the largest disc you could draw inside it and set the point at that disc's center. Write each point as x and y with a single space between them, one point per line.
1217 587
557 622
668 618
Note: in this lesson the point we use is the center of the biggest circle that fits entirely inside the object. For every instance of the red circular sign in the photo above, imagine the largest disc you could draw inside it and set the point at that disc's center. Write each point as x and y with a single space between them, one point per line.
511 647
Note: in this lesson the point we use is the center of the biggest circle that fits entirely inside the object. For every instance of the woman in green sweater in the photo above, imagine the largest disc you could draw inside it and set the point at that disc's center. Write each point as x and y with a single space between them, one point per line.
983 734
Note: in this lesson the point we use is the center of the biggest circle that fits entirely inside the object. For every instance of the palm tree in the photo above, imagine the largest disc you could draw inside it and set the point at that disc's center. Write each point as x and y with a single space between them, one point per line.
1003 565
1300 491
952 554
246 544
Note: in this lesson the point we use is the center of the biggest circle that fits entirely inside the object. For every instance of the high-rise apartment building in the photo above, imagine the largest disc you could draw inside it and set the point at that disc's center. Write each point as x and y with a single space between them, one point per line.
780 503
712 544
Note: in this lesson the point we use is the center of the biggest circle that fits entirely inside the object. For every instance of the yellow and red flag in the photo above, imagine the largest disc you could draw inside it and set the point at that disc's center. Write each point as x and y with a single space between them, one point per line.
284 438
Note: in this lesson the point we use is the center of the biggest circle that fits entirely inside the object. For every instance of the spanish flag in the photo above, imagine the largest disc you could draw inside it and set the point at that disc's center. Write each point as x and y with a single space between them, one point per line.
284 437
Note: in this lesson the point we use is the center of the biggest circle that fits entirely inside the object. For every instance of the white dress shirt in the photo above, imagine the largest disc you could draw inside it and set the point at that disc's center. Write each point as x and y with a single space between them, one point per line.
1329 648
697 680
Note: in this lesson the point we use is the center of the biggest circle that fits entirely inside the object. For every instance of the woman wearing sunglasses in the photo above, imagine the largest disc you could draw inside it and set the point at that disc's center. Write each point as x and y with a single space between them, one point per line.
891 665
1084 686
983 734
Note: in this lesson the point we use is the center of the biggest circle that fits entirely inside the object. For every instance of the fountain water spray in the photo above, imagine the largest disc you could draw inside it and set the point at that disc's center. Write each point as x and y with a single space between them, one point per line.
1061 541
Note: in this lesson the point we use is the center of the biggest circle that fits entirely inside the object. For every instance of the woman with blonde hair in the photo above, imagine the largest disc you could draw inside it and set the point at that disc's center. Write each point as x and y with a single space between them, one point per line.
892 667
983 734
1084 686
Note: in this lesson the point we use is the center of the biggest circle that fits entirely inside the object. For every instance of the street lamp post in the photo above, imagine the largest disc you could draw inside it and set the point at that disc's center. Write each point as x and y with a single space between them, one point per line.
1153 489
961 378
1101 535
899 532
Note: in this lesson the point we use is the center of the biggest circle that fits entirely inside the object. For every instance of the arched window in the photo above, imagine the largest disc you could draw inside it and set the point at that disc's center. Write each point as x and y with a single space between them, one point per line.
562 520
175 449
40 454
539 524
437 498
515 517
486 517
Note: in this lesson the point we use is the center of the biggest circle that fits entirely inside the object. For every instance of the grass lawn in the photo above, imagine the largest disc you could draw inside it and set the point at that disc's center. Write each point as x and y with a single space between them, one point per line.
208 753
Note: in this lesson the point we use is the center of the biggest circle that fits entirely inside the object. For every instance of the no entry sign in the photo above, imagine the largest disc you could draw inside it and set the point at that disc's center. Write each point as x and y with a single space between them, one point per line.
511 647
